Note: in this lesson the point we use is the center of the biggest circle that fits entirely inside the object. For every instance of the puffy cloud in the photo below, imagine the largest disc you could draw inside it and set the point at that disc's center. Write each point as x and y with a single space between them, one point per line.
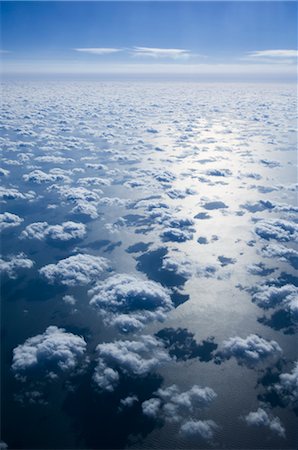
283 296
129 401
14 194
54 175
151 407
287 387
250 350
86 209
9 220
94 181
172 405
52 352
132 358
179 265
261 418
176 235
15 263
69 299
76 269
278 229
64 232
199 428
130 302
4 172
273 250
52 159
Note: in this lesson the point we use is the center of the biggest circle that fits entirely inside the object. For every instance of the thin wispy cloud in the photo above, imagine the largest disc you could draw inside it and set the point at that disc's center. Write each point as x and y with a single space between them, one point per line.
273 54
98 50
151 52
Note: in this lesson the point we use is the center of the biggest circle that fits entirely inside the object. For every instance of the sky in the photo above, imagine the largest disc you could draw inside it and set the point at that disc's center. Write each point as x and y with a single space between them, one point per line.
203 38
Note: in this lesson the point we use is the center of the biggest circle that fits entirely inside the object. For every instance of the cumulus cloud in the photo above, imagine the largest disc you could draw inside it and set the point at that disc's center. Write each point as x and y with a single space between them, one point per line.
51 352
176 404
132 358
14 264
172 405
64 232
270 296
75 270
273 250
54 175
278 229
9 220
261 418
130 302
250 350
14 194
52 159
199 428
287 387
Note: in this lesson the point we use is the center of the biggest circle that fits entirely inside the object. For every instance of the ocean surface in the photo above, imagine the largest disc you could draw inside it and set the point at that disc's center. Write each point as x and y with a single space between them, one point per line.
149 285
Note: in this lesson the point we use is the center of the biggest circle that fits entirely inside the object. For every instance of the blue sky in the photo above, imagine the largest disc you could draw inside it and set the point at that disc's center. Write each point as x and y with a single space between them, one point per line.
136 36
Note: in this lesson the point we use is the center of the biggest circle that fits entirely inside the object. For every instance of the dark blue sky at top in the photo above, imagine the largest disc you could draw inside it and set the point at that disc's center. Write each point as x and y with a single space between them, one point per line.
216 29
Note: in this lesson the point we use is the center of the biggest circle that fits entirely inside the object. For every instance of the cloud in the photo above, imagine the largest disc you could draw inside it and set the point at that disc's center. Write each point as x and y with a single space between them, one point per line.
172 405
282 296
250 350
14 194
52 159
9 220
287 387
132 358
282 252
52 352
272 54
199 428
151 52
278 229
129 302
15 263
75 270
261 418
54 175
64 232
99 50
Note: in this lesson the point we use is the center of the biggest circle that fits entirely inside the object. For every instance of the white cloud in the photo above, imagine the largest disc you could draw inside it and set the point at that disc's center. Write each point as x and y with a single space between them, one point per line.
75 270
261 418
64 232
281 296
54 175
199 428
287 387
280 54
9 220
278 229
52 352
98 50
172 405
250 350
133 358
14 194
173 53
130 302
15 263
